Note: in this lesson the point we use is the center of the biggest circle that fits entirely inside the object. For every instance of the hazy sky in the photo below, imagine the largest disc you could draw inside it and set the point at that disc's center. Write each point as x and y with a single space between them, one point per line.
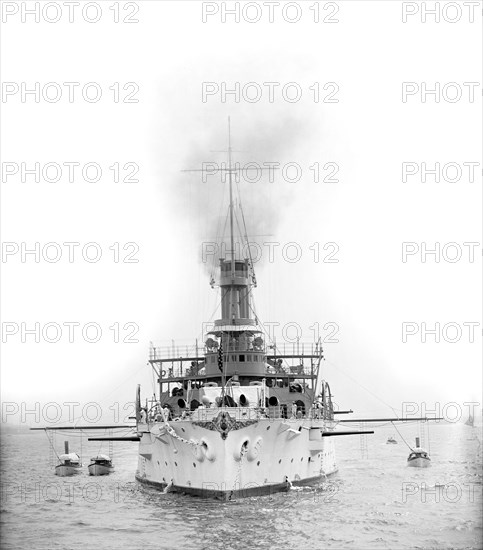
369 293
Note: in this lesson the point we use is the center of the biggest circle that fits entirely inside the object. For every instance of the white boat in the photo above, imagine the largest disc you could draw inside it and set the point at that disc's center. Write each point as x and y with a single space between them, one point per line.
418 457
100 465
70 463
237 416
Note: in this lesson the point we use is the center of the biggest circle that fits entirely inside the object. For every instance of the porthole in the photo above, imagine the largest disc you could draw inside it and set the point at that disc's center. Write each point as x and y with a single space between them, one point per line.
291 460
157 462
175 463
182 429
258 463
194 465
301 459
280 461
165 462
268 427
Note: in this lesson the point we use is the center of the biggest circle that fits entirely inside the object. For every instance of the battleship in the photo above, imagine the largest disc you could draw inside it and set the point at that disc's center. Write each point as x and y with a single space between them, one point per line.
238 415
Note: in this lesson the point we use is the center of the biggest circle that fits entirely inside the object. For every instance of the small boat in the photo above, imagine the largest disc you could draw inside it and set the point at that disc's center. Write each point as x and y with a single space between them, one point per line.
101 465
419 458
70 463
391 439
470 421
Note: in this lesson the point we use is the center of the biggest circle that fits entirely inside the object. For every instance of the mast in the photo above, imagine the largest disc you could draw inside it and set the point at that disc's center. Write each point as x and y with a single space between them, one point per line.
232 236
232 267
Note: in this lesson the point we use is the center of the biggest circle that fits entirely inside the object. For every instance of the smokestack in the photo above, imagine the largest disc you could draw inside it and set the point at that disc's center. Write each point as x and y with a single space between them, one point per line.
417 441
66 447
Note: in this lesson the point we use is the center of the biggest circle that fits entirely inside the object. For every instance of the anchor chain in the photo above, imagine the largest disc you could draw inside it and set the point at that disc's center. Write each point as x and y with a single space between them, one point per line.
243 452
172 433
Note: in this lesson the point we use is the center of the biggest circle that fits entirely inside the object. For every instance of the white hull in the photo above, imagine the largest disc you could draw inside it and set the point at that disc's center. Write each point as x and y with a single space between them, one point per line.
255 457
65 471
419 463
99 469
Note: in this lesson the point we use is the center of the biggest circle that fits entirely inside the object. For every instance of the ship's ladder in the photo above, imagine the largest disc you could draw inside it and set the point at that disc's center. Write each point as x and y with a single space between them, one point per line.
422 435
51 437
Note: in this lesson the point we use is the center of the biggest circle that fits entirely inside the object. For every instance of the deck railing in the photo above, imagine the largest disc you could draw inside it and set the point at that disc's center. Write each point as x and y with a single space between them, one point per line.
183 352
298 348
176 352
175 370
204 414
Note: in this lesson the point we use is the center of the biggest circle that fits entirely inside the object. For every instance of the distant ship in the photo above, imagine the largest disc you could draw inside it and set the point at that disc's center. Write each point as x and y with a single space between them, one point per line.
470 421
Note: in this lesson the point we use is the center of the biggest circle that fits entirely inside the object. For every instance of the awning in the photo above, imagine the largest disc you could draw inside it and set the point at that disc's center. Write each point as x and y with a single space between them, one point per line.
101 457
235 328
73 457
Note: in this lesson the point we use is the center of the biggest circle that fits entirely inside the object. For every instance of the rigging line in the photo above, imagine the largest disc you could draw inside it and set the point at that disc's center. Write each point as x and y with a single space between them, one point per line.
217 305
152 380
246 232
241 237
254 308
217 234
375 421
244 238
124 381
221 207
85 432
400 434
215 310
100 447
275 347
76 418
260 323
221 239
238 223
363 387
284 361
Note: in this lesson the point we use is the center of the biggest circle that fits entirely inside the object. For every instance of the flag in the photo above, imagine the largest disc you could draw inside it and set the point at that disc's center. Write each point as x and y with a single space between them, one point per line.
220 357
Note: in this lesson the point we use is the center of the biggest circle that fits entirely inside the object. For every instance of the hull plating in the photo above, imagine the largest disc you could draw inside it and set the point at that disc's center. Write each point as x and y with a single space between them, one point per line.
99 469
419 463
66 471
262 457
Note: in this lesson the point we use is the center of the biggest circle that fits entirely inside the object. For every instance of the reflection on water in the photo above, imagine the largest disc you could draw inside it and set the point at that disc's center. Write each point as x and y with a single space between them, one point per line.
374 502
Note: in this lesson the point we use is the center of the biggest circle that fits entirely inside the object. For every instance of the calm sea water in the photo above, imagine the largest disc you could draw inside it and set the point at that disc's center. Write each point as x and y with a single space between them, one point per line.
373 502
